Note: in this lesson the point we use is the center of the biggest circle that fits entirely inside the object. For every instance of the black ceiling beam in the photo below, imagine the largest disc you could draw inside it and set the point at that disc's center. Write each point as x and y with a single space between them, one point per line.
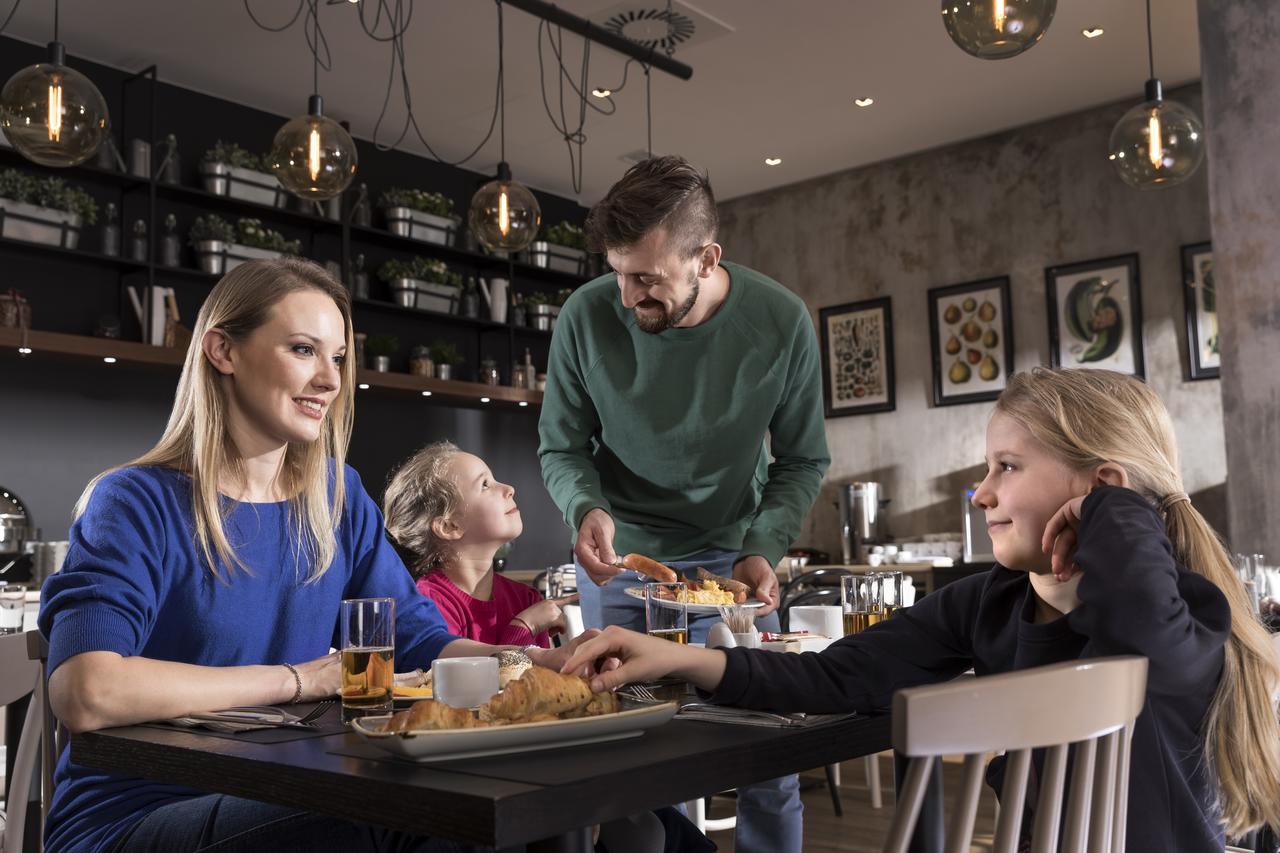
553 14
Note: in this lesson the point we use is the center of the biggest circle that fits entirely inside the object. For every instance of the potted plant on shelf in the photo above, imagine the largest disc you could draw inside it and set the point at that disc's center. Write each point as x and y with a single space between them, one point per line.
44 210
424 283
221 248
227 169
540 310
446 358
420 215
380 348
560 247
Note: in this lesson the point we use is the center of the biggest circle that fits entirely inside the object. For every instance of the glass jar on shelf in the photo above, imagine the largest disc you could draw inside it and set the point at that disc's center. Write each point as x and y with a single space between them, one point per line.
489 372
420 363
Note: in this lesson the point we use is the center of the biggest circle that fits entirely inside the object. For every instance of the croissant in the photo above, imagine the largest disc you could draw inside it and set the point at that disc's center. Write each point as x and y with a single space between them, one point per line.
429 715
539 691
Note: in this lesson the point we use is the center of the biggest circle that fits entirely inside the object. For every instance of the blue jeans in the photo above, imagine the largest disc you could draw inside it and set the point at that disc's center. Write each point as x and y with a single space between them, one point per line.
770 814
225 824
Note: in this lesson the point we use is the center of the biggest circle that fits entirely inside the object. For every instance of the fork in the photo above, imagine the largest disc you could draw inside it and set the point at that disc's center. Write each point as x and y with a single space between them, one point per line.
642 692
316 713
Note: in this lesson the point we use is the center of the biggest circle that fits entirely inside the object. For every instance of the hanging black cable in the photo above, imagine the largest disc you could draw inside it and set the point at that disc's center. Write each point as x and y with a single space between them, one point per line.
9 17
297 12
648 109
1151 56
55 20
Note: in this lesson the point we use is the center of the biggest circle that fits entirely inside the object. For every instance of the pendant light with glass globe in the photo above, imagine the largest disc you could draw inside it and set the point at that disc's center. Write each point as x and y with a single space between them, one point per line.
313 156
504 215
53 115
1158 143
997 29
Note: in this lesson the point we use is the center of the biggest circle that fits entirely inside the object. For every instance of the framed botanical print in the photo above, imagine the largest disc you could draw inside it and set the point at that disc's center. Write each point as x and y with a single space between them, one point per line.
1095 314
971 336
1201 302
857 357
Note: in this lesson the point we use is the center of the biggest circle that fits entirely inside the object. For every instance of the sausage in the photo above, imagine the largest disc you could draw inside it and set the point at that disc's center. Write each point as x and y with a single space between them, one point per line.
652 568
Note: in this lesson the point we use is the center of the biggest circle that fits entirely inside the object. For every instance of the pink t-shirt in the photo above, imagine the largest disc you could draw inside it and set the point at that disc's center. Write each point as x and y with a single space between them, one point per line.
484 621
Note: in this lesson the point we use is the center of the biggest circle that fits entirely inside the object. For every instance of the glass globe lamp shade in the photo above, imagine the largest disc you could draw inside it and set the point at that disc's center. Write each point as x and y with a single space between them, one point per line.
1156 144
53 115
313 156
997 29
504 215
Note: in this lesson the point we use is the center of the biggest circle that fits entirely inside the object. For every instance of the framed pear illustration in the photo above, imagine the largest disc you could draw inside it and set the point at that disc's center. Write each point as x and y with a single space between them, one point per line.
971 335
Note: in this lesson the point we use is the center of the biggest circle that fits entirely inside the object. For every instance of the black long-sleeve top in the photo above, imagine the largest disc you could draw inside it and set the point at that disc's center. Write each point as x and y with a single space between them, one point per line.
1135 600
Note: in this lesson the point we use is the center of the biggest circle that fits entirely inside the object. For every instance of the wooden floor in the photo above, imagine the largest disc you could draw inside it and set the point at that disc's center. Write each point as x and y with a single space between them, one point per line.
862 829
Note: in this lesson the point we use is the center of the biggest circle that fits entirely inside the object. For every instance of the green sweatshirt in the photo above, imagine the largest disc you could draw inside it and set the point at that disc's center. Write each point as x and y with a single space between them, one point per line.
666 432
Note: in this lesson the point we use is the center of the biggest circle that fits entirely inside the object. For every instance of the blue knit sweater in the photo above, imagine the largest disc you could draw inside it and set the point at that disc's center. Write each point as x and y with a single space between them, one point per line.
135 583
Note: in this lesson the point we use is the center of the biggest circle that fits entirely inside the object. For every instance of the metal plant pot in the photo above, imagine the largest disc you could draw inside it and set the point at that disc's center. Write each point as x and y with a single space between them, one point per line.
212 256
444 371
556 257
244 184
35 224
425 295
427 227
382 363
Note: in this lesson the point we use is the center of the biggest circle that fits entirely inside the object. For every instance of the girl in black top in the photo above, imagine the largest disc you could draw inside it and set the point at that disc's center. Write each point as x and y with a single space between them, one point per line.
1099 552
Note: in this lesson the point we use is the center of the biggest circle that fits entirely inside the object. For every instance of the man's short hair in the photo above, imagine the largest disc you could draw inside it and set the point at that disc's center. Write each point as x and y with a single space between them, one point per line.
666 191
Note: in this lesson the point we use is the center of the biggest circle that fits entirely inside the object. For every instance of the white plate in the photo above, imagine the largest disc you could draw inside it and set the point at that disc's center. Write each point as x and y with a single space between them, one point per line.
522 737
638 592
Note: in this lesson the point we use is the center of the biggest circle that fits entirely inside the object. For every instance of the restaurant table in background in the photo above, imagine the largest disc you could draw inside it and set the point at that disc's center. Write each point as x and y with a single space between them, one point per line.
547 799
926 576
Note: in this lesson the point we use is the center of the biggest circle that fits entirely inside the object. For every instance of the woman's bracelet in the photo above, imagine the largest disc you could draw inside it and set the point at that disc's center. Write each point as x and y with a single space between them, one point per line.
526 625
297 681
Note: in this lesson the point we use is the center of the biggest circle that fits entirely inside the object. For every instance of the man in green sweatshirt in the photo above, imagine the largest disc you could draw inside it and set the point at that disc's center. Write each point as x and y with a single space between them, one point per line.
665 379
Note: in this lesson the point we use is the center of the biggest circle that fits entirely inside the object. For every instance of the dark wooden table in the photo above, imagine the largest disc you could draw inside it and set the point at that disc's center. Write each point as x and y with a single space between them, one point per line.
546 799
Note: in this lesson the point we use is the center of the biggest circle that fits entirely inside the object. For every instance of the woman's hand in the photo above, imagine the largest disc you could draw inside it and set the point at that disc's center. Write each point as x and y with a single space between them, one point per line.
555 658
546 614
756 573
642 658
1059 540
321 678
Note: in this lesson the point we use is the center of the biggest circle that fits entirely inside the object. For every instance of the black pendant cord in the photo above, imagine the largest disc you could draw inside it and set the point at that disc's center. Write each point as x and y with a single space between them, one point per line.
648 109
1151 57
16 5
55 20
502 92
315 48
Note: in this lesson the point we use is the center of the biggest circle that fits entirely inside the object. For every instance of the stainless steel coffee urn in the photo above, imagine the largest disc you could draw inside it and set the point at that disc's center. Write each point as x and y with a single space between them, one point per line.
861 520
15 529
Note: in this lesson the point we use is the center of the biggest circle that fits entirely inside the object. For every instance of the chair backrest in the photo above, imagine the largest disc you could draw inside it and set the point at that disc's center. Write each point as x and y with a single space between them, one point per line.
22 672
1086 705
810 580
823 595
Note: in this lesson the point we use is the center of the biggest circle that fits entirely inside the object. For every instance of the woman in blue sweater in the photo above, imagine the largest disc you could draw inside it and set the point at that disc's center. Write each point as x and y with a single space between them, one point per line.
1099 552
208 573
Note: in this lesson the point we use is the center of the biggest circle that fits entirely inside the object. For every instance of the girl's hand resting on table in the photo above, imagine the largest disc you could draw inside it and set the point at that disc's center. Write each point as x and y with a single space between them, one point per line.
321 678
631 658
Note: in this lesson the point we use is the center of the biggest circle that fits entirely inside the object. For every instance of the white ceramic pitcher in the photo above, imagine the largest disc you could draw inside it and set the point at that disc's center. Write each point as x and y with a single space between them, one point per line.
495 293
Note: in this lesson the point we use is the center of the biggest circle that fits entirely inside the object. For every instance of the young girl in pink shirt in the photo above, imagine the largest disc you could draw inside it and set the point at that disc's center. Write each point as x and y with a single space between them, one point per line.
448 515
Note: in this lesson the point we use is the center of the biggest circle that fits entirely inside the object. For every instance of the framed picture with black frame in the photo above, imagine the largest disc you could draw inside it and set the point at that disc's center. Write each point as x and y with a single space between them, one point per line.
1200 300
1095 314
857 357
971 336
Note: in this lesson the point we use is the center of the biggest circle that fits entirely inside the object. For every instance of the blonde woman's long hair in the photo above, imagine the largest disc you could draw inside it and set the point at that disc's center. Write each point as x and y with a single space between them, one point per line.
421 491
1087 417
196 441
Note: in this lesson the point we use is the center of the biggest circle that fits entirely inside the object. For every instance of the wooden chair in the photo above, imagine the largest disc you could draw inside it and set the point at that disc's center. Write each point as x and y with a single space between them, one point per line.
1088 706
22 659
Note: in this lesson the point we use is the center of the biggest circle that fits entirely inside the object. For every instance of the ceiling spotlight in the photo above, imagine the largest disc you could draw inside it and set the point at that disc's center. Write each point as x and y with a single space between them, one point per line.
363 386
602 93
524 403
24 350
426 393
864 102
484 399
1092 32
109 359
772 161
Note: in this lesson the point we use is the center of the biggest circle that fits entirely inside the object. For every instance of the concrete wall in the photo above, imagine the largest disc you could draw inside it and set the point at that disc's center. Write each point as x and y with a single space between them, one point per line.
1242 102
1009 204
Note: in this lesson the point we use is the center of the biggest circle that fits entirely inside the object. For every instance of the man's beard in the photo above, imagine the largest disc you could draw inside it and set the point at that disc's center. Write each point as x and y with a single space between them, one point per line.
654 324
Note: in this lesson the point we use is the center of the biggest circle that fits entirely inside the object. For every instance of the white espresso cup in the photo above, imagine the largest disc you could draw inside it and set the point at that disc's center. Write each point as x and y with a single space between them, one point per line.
464 682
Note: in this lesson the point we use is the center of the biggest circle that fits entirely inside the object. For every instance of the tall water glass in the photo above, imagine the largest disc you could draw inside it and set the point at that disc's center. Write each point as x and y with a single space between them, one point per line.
861 597
368 656
665 615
